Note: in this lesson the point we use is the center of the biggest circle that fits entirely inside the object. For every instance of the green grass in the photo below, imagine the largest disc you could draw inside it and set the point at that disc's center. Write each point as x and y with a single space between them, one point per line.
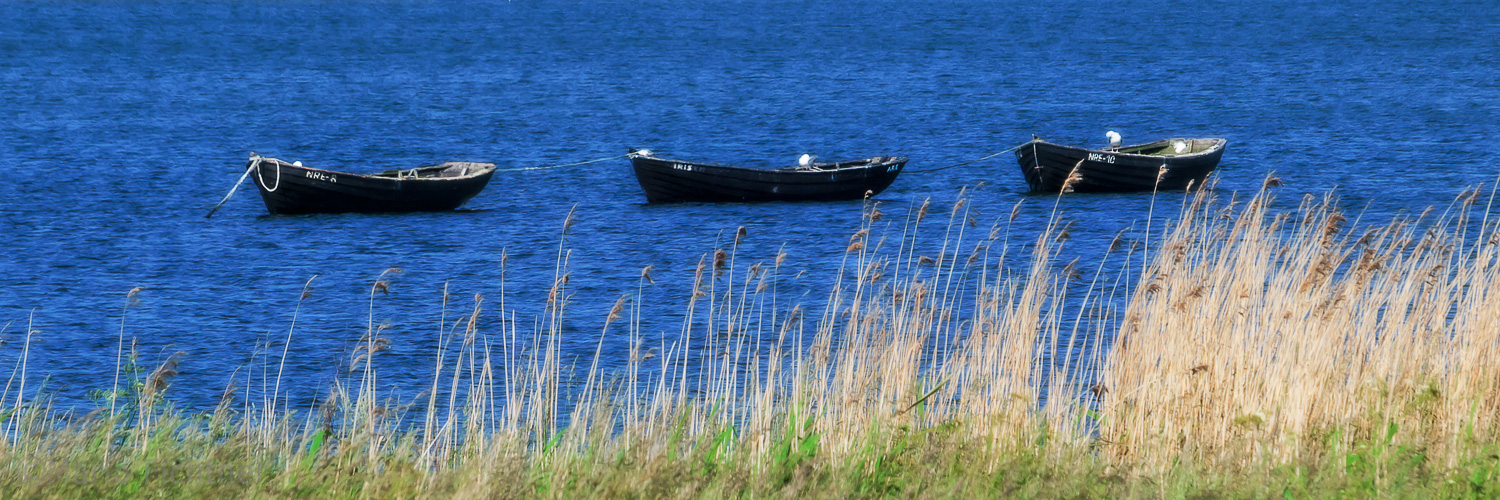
188 460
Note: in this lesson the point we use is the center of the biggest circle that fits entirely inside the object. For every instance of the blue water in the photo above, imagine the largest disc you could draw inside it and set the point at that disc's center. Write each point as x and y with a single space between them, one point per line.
121 123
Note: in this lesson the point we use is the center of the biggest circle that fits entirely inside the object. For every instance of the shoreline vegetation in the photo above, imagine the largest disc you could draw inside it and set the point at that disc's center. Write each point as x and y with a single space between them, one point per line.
1261 353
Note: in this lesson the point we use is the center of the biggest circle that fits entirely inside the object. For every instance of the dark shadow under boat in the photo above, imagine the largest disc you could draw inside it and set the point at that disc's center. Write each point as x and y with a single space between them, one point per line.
1168 164
666 180
294 189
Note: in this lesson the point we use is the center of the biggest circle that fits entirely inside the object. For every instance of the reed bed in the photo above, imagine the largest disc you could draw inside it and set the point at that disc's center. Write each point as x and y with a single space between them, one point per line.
1263 336
1255 353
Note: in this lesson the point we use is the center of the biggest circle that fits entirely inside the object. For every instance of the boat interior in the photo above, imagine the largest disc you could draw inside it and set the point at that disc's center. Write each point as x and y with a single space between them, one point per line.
1170 147
446 170
843 164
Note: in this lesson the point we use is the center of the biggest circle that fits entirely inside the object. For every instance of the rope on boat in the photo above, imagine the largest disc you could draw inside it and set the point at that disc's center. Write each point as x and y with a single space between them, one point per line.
1019 146
254 167
260 179
616 157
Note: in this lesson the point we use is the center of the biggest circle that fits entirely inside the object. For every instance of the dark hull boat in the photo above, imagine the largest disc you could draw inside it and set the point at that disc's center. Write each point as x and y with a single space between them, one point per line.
1130 168
295 189
666 180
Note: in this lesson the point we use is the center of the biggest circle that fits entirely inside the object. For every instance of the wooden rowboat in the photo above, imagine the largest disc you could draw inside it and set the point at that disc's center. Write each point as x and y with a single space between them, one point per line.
290 188
1177 162
665 180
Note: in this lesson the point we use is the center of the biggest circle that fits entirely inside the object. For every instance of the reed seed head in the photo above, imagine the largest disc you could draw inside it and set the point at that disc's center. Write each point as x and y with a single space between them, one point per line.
720 257
614 312
307 288
646 274
1333 225
368 349
1070 271
1073 178
229 392
568 221
1434 273
159 378
557 288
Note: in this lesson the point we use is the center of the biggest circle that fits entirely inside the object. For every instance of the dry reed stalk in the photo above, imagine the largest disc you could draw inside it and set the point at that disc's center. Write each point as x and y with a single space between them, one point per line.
13 425
155 384
5 395
119 359
271 410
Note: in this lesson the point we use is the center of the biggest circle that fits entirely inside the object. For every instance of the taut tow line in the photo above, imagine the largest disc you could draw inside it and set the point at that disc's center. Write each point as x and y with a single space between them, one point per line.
971 162
616 157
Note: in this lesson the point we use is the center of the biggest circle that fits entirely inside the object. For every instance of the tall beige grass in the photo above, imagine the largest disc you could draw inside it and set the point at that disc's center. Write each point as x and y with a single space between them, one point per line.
1261 336
1253 337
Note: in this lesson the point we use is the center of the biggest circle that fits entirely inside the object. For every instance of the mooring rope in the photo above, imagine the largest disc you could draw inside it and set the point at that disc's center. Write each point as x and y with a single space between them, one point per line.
971 162
616 157
254 167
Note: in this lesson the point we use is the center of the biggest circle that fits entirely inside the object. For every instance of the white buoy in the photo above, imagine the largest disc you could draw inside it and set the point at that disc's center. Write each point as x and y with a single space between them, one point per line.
1179 145
643 152
806 160
1114 138
297 163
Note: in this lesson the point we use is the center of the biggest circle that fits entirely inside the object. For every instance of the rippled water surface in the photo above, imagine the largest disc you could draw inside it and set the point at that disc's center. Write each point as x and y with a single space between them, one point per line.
121 123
